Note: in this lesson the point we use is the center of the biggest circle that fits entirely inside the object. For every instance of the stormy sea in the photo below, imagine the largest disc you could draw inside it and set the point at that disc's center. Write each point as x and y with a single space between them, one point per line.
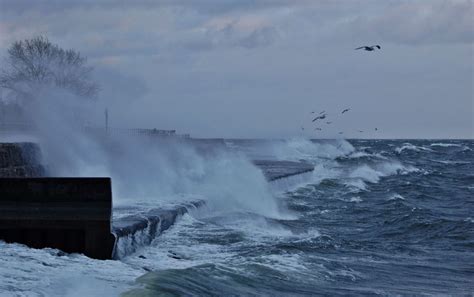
375 217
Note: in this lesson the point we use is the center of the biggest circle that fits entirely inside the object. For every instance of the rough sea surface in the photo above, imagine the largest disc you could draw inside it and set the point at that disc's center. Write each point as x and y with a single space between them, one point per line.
376 217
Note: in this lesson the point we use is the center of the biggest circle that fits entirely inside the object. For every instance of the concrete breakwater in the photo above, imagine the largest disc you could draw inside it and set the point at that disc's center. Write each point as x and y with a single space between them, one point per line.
71 214
75 214
21 160
274 170
137 230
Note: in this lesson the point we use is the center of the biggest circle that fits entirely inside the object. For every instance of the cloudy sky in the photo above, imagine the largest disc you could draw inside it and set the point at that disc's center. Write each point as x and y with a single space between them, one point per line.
247 68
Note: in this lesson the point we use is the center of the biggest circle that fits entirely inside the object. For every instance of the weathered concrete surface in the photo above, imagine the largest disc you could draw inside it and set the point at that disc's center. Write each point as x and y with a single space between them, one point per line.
138 230
20 160
71 214
274 170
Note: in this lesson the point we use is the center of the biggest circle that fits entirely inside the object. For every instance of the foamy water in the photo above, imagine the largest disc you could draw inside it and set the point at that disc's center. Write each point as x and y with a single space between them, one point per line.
371 219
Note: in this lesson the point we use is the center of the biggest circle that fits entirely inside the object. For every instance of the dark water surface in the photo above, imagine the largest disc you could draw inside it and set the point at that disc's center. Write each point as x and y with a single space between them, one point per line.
378 217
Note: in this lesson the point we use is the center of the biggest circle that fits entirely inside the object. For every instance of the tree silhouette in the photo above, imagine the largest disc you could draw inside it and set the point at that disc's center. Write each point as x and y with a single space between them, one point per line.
34 63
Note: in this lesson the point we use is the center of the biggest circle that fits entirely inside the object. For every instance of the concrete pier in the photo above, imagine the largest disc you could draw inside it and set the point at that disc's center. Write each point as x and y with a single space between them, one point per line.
274 170
74 214
71 214
20 160
138 230
135 231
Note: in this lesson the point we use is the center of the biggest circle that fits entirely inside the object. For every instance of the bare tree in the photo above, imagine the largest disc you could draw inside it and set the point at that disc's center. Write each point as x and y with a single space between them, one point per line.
36 62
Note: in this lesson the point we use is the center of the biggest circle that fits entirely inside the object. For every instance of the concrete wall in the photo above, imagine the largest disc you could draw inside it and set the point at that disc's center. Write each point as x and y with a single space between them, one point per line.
20 160
71 214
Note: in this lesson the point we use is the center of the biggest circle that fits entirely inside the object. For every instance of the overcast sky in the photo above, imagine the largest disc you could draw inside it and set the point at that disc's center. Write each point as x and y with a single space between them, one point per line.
244 68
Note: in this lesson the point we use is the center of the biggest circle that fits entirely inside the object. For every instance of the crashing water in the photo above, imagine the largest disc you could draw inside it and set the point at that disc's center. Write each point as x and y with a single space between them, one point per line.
376 217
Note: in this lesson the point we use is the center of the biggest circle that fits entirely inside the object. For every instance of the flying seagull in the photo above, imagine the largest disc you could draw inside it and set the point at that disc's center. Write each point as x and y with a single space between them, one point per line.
322 117
328 123
369 48
346 110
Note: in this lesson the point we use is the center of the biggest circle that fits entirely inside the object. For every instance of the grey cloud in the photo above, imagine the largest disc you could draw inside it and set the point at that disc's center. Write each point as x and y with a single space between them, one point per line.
418 23
252 68
260 37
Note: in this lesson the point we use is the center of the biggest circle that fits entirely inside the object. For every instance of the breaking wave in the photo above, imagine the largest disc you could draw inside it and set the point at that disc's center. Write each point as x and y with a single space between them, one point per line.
303 149
446 144
411 147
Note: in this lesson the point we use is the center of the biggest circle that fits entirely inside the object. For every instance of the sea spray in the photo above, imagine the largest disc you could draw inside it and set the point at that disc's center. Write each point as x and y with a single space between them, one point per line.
143 169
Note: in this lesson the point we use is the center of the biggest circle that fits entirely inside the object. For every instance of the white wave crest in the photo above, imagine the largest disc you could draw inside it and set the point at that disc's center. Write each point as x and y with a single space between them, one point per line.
411 147
396 196
447 162
356 199
304 149
446 144
357 183
362 154
373 173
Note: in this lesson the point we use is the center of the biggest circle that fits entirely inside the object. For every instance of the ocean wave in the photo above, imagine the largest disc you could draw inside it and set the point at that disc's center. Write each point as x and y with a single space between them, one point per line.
48 272
355 199
411 147
373 174
446 144
303 149
362 154
356 183
448 162
284 263
396 196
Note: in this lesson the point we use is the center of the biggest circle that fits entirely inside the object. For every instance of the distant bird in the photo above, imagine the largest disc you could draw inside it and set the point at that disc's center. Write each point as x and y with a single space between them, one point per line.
302 128
322 117
345 110
376 129
369 48
328 123
341 132
360 131
312 112
319 129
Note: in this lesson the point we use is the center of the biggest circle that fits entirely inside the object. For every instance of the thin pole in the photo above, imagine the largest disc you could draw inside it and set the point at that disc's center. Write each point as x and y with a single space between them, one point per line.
106 120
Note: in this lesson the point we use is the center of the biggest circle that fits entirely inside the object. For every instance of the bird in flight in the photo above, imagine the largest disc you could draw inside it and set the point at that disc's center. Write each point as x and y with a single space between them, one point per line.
360 131
321 117
346 110
328 123
319 129
341 132
369 48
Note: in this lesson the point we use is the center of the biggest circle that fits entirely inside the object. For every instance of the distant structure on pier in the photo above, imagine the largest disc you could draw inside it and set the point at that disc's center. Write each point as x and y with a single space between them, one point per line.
26 128
137 132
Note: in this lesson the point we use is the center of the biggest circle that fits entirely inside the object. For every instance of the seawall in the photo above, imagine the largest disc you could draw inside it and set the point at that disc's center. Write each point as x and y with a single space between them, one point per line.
21 160
138 230
75 214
